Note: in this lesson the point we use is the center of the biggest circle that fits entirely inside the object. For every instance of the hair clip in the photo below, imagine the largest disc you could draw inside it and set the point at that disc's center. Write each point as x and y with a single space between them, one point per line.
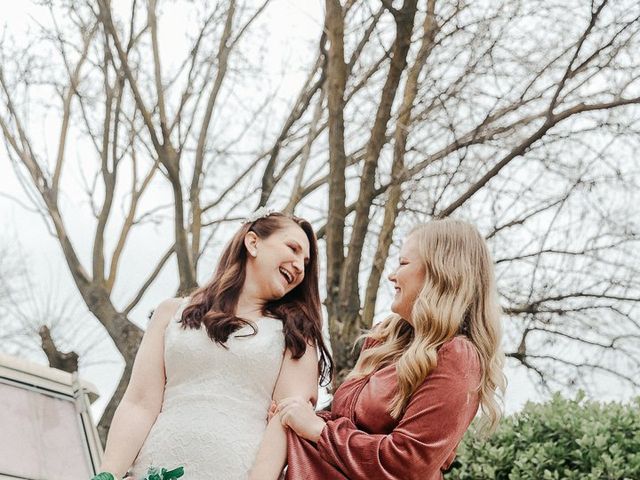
262 212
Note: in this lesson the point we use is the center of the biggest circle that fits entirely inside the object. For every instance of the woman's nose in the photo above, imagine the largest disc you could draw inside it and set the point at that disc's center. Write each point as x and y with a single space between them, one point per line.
298 265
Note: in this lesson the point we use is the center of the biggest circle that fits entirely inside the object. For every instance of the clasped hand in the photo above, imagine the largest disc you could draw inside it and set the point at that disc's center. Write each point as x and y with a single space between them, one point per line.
299 415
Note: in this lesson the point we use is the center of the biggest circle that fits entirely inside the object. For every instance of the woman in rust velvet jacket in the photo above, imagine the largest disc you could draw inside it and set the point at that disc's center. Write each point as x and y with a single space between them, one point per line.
421 375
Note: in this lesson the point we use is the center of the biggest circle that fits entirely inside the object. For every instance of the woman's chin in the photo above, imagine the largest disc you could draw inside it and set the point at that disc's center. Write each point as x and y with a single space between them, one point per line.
279 291
394 308
397 308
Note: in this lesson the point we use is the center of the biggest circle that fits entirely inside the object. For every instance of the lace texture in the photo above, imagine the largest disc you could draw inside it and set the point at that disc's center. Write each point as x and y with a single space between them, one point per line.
215 401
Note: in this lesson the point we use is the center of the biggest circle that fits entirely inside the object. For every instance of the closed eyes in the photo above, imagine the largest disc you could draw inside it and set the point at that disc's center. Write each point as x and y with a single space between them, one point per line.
297 248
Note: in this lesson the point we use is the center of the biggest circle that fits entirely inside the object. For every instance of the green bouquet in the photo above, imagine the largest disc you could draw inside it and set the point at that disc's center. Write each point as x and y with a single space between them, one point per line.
152 474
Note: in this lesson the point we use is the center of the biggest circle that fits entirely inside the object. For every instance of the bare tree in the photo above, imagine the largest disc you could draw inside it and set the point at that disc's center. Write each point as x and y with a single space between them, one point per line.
119 106
12 276
13 279
40 319
481 129
514 115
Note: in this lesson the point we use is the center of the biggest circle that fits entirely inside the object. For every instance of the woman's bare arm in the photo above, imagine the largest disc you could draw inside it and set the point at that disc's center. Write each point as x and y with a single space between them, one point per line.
297 378
142 400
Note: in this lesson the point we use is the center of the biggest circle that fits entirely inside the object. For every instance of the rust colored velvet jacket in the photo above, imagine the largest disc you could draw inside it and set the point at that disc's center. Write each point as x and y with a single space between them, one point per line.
362 441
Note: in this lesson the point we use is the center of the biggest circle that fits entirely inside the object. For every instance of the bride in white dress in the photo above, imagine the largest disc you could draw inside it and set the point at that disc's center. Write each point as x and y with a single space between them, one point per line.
209 366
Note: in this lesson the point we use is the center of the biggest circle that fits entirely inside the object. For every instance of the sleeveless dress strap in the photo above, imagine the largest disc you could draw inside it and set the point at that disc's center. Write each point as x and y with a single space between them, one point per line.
183 304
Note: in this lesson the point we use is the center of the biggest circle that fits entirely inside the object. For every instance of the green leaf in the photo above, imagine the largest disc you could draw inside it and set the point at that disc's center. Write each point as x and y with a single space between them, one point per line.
104 476
569 439
154 473
175 473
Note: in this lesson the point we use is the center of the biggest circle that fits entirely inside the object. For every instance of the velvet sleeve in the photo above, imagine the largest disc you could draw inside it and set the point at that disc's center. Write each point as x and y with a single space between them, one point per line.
433 424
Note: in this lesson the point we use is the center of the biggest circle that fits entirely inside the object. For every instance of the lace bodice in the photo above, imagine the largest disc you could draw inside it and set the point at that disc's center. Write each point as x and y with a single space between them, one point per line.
215 401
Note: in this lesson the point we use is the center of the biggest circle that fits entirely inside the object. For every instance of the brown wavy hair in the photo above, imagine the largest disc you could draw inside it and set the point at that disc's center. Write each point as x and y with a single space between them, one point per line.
213 305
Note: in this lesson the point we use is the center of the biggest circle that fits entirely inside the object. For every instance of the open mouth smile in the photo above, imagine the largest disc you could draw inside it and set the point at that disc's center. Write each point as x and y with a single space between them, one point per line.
286 274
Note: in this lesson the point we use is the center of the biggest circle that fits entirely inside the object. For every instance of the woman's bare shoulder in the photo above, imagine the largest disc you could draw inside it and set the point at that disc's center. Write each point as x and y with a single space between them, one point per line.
165 311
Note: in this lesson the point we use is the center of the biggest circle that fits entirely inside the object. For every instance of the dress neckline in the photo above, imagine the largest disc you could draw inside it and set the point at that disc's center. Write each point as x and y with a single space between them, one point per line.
259 320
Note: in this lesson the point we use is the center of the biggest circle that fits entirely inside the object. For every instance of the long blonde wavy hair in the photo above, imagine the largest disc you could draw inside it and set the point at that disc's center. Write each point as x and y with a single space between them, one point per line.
459 297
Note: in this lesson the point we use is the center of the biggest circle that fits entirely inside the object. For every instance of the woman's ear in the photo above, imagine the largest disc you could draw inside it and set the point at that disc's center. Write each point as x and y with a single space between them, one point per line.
251 243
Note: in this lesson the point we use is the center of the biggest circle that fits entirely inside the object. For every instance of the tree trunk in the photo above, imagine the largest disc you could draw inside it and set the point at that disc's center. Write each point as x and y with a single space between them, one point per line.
65 361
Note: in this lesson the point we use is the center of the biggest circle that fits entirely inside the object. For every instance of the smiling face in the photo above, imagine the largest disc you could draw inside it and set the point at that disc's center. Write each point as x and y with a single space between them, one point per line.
276 264
408 279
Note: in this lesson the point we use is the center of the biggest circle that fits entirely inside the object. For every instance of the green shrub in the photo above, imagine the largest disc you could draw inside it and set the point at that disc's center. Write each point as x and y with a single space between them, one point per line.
560 439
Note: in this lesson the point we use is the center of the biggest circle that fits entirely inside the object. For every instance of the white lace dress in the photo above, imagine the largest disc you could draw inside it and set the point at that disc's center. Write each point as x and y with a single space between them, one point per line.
215 401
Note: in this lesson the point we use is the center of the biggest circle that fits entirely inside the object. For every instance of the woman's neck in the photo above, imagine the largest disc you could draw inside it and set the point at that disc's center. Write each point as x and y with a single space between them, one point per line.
249 306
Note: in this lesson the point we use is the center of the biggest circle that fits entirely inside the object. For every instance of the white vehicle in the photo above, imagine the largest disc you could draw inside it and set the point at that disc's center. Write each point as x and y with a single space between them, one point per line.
46 430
